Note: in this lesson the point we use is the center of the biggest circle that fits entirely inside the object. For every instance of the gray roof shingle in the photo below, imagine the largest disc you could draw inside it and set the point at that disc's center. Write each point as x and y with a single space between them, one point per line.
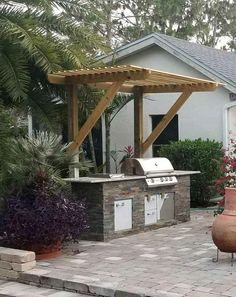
220 61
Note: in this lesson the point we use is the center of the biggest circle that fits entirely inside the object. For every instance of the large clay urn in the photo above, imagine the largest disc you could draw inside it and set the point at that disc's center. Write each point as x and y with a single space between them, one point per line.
224 225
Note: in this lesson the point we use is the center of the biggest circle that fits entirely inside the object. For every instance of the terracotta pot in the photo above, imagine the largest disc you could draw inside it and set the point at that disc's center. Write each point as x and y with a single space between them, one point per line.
44 252
224 225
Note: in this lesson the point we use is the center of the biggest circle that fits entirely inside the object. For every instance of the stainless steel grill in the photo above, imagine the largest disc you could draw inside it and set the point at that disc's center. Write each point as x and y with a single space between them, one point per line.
158 171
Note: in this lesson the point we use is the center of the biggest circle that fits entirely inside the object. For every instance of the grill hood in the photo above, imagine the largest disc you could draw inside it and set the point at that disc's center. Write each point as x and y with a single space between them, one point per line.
147 166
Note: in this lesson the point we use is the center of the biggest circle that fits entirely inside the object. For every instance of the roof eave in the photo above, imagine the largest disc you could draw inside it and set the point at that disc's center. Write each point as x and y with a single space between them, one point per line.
154 39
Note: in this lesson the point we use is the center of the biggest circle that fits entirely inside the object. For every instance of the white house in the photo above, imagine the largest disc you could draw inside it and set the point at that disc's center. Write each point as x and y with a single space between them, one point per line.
205 115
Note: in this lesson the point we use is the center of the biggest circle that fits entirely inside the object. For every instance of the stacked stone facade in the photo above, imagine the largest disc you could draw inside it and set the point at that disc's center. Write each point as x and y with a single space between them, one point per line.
100 198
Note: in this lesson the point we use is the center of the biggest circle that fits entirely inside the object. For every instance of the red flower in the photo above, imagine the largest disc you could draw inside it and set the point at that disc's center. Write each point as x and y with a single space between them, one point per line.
226 159
228 169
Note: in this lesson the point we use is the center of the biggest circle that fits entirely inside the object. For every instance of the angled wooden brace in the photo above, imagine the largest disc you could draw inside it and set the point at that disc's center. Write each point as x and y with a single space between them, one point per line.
95 115
166 119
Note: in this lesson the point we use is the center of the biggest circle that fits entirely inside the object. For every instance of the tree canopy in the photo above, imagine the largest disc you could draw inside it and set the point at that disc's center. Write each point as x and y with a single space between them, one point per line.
204 21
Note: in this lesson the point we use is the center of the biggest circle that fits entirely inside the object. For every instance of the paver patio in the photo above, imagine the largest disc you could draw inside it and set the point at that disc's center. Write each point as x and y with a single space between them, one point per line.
173 261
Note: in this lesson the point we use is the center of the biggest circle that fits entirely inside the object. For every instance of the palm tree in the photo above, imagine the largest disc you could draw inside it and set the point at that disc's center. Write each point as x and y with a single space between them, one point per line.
38 37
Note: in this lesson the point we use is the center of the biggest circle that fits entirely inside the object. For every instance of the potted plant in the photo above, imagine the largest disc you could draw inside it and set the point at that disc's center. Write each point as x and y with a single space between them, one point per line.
40 211
224 226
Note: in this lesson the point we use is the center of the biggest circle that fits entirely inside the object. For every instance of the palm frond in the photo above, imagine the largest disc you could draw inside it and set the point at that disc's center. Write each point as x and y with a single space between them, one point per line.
35 41
46 103
46 35
65 5
15 24
46 56
30 156
14 76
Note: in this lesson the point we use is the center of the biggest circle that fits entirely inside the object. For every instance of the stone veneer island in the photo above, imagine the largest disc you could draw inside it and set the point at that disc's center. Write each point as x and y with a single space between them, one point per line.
125 205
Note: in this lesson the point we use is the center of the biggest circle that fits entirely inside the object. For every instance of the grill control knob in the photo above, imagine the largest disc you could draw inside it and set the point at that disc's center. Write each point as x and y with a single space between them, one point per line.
152 180
171 178
162 179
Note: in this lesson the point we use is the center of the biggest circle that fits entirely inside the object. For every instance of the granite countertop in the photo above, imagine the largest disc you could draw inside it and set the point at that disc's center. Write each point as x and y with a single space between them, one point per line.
103 179
125 178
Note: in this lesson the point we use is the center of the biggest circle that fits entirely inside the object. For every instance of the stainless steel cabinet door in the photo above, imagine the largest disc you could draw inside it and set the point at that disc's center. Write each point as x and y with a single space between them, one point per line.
123 214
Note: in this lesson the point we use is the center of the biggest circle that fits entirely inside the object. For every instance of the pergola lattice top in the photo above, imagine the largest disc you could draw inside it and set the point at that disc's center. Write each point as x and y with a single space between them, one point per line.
151 81
130 79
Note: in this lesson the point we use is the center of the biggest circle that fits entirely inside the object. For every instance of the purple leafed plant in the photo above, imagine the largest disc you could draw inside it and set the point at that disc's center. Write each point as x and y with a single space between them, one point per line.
43 213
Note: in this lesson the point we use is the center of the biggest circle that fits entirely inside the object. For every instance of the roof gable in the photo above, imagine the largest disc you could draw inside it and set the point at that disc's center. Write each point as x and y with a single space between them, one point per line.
214 63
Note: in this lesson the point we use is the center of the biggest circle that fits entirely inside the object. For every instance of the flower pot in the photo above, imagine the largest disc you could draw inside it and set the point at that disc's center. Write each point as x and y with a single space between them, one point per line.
44 252
224 225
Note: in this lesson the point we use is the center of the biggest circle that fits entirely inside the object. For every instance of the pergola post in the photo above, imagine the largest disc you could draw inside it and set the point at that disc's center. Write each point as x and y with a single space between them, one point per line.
138 122
73 127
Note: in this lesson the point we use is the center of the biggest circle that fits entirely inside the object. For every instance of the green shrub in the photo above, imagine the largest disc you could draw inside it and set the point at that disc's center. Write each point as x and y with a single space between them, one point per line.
201 155
11 127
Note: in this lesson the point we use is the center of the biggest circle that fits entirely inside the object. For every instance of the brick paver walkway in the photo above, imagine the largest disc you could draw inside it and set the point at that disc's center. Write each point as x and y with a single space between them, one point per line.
173 261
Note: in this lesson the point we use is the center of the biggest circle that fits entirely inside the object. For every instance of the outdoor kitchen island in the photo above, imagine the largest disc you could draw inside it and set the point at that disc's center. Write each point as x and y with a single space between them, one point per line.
120 204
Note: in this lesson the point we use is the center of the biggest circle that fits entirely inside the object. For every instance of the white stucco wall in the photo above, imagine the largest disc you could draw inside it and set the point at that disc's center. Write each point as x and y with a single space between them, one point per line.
201 116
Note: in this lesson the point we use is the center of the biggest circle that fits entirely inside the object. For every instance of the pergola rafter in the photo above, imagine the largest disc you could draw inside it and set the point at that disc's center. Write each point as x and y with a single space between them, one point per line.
129 79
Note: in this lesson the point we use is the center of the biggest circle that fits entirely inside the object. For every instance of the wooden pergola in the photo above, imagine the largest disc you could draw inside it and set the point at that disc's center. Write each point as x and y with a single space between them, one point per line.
129 79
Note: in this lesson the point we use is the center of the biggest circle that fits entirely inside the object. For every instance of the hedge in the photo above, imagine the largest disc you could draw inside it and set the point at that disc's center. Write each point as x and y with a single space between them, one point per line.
201 155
